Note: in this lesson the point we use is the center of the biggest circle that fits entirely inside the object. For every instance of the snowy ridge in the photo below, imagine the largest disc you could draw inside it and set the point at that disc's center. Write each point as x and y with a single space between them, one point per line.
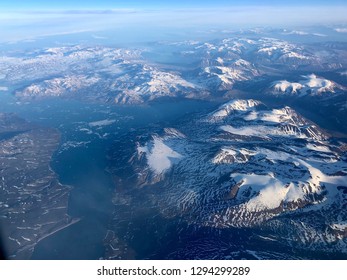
58 86
311 85
149 83
228 155
235 106
282 51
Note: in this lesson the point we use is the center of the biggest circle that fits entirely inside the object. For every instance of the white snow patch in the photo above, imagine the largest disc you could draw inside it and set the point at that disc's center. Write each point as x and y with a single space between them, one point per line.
297 32
276 116
251 116
314 147
160 157
339 226
86 130
230 155
165 82
271 155
284 86
294 193
273 116
102 123
295 55
220 60
313 81
173 133
315 84
237 105
341 30
271 191
319 34
257 130
268 50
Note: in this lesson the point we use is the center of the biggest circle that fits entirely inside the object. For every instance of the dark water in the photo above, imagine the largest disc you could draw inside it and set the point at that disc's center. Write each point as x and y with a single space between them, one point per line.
80 161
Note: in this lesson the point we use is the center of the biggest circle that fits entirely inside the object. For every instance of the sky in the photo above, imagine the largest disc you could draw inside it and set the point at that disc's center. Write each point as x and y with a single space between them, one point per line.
29 19
150 4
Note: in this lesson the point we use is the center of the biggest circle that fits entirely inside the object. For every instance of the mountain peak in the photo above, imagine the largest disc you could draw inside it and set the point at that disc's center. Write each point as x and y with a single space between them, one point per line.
310 85
235 106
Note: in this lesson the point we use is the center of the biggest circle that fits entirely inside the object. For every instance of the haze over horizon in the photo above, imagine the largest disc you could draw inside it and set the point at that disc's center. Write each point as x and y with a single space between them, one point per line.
109 4
23 20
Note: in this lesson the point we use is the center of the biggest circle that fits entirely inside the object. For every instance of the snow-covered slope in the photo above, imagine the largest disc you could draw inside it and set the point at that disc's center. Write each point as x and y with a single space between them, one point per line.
159 155
59 86
249 166
310 85
222 74
235 106
142 82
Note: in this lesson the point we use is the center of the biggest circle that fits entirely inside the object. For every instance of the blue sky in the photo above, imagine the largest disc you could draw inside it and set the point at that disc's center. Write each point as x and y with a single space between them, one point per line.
114 4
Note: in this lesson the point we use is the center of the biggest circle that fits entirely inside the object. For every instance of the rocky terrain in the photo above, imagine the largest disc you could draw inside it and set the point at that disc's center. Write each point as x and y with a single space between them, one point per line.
33 203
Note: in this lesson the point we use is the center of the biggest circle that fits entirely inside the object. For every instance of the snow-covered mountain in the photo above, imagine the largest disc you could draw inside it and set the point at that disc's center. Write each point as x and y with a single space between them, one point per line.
310 85
279 51
235 106
248 166
95 74
222 74
141 82
224 63
63 86
131 76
